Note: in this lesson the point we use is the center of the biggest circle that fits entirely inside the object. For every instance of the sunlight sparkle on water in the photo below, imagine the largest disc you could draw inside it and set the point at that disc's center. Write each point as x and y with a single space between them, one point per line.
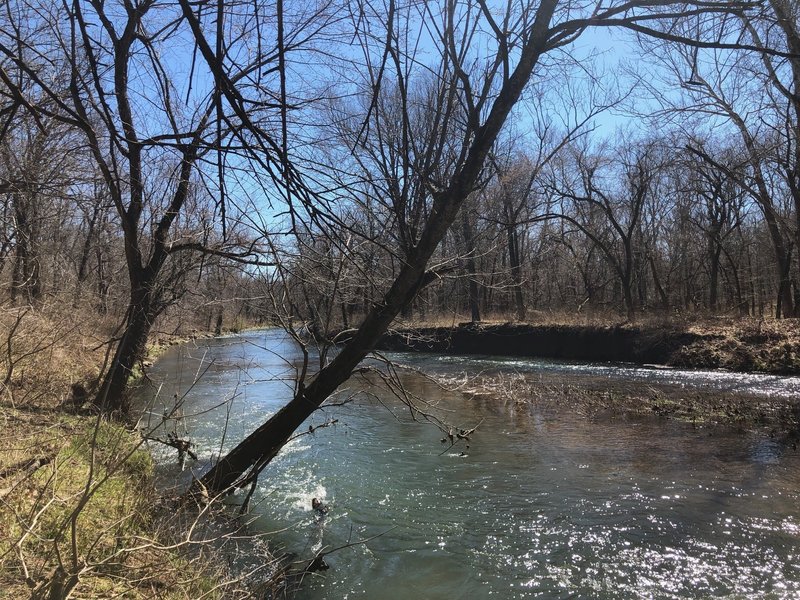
538 508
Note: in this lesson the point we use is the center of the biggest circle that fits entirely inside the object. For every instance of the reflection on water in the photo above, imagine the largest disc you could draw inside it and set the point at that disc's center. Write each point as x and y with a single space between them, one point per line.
542 505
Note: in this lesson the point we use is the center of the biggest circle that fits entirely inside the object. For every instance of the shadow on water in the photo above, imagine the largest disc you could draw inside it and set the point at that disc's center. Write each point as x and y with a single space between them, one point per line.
542 504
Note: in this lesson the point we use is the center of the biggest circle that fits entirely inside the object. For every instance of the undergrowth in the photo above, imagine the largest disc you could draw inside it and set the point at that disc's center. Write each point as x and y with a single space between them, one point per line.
79 514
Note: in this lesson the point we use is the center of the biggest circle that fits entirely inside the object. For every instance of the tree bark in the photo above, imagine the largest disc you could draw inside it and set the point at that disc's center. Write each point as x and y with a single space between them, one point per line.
130 350
27 275
516 271
713 255
469 244
662 293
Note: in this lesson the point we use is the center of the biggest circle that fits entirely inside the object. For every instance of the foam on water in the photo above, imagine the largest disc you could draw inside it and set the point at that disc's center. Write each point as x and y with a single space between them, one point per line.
725 381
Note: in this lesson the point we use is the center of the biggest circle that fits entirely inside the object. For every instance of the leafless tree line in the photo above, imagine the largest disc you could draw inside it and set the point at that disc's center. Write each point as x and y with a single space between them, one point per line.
645 225
351 162
692 210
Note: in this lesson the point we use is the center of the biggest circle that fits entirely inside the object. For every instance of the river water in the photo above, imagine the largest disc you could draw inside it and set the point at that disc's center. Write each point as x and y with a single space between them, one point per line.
540 505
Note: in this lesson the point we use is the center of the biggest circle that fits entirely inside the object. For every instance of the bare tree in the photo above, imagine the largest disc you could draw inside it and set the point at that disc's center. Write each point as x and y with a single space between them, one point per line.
489 85
154 131
39 157
755 93
718 213
607 200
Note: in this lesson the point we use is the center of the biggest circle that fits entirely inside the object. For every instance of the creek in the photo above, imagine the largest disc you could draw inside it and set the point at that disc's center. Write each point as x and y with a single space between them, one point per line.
542 504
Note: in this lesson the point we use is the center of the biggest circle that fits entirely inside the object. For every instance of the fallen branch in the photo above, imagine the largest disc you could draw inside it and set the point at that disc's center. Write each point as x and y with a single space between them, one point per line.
182 446
317 563
31 466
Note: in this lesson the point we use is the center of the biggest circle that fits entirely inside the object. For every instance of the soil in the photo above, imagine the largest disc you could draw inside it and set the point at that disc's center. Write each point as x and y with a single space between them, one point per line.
763 346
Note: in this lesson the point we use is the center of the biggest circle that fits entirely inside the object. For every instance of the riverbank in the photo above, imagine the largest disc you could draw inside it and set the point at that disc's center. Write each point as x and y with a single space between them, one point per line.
485 517
735 345
79 514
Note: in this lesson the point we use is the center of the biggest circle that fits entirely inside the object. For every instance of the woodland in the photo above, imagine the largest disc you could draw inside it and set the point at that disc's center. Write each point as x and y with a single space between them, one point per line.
169 167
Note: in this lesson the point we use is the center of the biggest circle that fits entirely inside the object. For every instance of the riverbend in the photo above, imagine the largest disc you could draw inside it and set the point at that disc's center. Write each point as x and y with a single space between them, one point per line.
542 501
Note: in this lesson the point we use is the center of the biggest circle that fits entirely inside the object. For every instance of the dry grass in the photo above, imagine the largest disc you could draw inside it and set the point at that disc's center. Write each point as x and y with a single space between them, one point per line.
597 317
61 469
76 496
45 351
700 408
585 318
744 345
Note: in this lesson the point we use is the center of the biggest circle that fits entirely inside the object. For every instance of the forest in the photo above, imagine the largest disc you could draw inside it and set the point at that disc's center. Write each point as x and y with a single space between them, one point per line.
173 167
669 187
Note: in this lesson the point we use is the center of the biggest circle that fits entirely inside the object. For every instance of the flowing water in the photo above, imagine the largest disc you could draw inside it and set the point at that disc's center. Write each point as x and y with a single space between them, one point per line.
540 505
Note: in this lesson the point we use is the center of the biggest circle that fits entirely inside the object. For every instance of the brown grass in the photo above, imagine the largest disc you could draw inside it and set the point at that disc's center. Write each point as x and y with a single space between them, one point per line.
58 467
700 408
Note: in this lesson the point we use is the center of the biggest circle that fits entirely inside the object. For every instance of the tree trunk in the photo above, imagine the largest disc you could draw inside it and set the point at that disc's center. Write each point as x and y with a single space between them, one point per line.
111 396
469 244
218 324
630 309
26 277
662 294
59 587
626 277
516 271
261 446
83 262
785 306
786 19
103 285
713 297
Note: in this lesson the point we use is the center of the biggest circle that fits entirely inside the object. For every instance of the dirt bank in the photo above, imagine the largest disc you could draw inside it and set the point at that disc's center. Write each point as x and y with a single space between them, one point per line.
771 347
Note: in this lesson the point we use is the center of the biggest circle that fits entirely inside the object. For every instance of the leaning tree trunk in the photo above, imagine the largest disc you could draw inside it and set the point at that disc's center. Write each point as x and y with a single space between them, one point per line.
260 447
662 293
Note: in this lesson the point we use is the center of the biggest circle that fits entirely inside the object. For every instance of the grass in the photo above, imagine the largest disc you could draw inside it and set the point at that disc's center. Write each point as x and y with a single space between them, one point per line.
96 473
744 345
76 490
